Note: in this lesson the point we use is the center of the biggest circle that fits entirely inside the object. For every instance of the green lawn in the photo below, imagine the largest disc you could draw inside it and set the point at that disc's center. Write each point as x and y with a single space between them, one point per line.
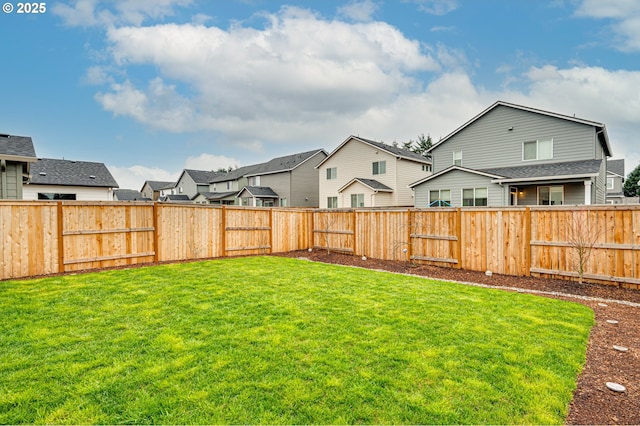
276 340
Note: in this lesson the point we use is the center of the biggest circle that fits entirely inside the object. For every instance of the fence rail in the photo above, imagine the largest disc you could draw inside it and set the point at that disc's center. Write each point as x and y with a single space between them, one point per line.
40 238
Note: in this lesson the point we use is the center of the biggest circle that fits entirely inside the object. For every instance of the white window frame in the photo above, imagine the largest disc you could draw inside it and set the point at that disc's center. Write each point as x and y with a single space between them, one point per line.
379 167
439 196
359 200
457 156
537 142
332 202
550 186
610 183
332 173
426 167
475 197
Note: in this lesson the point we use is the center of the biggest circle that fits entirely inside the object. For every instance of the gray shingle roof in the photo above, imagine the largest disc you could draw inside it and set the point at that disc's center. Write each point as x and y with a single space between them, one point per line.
260 191
396 150
371 183
202 177
570 168
234 174
48 171
616 166
282 164
17 146
175 197
128 195
157 185
216 195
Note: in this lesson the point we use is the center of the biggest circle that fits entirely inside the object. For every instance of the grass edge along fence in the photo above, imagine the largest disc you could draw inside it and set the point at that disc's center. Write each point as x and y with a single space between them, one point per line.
593 243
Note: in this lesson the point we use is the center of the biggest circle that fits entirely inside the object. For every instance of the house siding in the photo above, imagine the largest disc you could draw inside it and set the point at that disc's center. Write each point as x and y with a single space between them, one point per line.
83 193
456 181
488 143
186 186
304 183
280 183
355 160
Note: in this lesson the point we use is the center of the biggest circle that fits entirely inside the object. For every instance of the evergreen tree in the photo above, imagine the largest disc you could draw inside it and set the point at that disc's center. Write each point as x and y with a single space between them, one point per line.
408 145
631 187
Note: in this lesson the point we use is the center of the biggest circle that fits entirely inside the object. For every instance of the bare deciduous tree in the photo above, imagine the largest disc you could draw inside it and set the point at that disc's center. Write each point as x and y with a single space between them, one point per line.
582 236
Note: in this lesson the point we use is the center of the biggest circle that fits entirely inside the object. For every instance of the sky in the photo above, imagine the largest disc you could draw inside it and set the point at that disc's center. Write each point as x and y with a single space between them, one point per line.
153 87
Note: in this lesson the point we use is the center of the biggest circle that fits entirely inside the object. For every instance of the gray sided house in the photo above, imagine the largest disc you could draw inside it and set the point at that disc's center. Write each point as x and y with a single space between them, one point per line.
153 188
615 181
16 156
191 182
53 179
289 181
225 187
512 155
128 195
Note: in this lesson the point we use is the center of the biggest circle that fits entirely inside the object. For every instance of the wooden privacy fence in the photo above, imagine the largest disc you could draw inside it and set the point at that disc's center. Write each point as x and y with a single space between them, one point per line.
48 237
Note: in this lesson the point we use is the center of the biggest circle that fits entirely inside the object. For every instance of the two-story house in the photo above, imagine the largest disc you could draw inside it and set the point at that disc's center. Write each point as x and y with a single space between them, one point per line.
516 155
153 189
365 173
615 181
191 182
289 181
225 187
53 179
16 156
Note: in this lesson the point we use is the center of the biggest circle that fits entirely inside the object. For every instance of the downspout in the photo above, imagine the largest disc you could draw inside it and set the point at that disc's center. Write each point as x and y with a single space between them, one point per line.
3 178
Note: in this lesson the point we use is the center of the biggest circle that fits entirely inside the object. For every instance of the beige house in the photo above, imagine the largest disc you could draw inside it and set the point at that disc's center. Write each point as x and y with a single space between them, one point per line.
365 173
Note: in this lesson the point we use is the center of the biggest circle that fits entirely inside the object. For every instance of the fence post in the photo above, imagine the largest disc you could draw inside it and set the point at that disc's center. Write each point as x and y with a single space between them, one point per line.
60 238
409 244
312 224
527 242
156 233
459 236
223 231
355 232
271 230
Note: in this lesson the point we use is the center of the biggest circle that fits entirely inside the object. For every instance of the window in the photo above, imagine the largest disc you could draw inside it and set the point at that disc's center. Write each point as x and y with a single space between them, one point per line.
440 198
457 158
180 190
332 202
474 197
426 167
254 181
332 173
550 195
52 196
537 150
357 200
609 183
229 186
283 202
379 167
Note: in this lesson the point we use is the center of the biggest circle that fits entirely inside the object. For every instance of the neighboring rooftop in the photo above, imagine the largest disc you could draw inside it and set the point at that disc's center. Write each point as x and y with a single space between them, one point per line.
17 147
203 177
157 185
128 195
48 171
283 164
571 168
616 167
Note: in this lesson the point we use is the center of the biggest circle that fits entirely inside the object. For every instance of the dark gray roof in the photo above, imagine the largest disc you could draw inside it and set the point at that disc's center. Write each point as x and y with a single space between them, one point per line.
16 146
371 183
234 174
616 166
260 191
175 197
400 152
202 176
128 195
570 168
283 164
157 185
216 195
48 171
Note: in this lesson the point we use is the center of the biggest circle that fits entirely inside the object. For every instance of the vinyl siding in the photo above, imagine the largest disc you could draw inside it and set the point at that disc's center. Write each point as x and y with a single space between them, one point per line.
355 160
304 183
456 181
280 183
188 186
83 193
488 143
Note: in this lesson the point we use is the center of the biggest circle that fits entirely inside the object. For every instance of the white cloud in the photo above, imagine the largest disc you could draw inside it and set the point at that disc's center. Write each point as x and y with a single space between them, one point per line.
134 177
358 10
86 13
210 162
437 7
298 73
625 13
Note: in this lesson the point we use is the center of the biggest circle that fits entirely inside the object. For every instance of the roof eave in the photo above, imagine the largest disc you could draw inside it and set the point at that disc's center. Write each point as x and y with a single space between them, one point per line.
545 178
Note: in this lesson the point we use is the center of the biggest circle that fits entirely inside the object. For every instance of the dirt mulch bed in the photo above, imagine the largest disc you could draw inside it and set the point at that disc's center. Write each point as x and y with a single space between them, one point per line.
593 402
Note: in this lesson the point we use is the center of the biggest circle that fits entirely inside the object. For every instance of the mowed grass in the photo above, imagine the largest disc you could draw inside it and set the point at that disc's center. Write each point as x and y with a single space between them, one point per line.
282 341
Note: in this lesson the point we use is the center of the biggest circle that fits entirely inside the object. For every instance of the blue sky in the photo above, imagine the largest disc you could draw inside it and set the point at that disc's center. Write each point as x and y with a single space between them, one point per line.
151 88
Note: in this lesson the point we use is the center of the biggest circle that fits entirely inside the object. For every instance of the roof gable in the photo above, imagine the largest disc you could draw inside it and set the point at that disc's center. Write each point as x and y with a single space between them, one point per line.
600 127
201 177
451 168
259 191
390 149
372 184
18 148
157 185
48 171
